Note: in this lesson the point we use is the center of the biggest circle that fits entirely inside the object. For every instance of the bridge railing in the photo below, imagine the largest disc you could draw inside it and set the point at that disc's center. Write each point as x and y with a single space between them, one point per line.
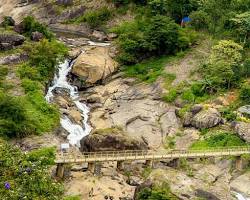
133 154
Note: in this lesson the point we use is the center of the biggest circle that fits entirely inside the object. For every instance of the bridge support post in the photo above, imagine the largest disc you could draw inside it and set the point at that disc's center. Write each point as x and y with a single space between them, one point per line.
149 163
239 163
91 167
120 165
60 170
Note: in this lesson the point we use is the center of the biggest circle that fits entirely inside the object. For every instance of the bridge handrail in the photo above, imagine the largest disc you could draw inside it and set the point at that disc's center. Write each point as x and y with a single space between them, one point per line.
127 153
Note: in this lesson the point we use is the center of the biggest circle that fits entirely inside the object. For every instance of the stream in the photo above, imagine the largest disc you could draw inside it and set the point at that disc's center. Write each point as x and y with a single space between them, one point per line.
76 132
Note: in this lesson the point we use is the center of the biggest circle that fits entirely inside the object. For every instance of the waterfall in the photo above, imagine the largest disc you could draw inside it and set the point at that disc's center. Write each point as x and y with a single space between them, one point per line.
76 132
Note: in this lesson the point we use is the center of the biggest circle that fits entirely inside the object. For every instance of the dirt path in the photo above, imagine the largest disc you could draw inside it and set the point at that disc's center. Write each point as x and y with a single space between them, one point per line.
183 69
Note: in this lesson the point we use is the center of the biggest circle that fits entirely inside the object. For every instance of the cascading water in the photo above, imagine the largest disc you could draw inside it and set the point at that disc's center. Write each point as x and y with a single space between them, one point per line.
76 132
241 197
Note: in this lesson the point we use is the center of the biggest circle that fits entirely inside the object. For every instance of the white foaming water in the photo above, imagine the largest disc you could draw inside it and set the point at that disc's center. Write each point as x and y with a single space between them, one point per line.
91 43
241 197
76 132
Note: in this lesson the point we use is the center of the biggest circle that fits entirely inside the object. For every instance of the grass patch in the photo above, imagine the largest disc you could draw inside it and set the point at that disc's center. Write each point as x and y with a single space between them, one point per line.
43 116
75 197
149 70
223 139
169 142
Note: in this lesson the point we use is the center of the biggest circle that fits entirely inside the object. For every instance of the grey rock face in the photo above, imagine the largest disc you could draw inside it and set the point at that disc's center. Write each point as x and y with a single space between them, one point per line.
243 130
36 36
14 40
110 139
206 119
244 110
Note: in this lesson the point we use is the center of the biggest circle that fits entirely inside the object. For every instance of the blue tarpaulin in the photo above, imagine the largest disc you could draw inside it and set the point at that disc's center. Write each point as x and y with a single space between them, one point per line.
186 19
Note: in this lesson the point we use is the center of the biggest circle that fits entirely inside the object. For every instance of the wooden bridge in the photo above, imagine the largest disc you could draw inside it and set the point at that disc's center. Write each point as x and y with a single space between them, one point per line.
131 155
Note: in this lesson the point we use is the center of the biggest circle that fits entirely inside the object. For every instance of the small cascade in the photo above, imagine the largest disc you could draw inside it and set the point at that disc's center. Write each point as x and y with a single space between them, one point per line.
76 132
240 196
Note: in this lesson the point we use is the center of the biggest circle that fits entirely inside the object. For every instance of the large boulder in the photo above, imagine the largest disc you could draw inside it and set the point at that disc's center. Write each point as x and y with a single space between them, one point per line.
243 130
12 39
36 36
206 119
100 36
110 139
94 66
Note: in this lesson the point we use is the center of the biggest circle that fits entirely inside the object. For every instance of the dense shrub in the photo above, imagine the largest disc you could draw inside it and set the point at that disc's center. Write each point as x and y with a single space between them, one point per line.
240 25
200 20
95 18
25 176
223 69
14 121
145 38
245 94
31 25
223 139
157 192
44 57
246 68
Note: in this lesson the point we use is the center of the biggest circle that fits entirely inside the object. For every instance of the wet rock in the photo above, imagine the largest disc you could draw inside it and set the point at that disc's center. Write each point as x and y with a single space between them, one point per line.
206 119
62 102
243 130
110 140
93 66
73 54
75 115
36 36
100 36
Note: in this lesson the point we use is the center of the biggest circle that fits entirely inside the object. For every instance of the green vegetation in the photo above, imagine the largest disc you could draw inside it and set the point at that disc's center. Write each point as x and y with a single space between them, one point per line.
31 114
157 192
95 18
77 197
30 25
222 139
26 176
44 57
245 94
147 37
149 70
21 116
